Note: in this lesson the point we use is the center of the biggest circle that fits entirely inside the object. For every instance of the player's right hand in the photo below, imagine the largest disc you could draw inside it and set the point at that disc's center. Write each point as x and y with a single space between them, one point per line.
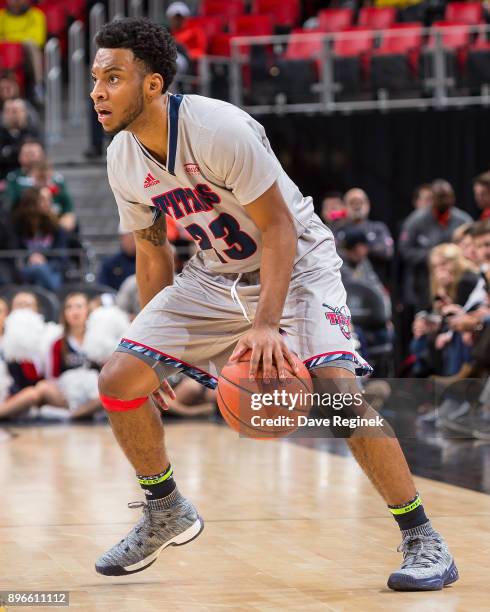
268 350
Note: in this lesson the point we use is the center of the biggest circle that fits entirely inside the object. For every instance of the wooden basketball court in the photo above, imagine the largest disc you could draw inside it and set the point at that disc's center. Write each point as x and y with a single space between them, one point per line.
287 527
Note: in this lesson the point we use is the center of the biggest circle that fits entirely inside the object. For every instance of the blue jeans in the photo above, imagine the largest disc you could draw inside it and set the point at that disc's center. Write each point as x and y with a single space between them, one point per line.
42 275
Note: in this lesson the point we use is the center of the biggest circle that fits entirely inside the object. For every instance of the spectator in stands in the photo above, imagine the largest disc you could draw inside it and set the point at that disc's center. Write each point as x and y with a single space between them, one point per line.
191 42
378 235
463 237
24 23
192 39
24 373
41 175
474 312
452 276
334 211
13 131
38 231
24 299
481 192
9 90
31 151
452 279
354 251
127 297
481 237
116 268
422 196
421 231
65 355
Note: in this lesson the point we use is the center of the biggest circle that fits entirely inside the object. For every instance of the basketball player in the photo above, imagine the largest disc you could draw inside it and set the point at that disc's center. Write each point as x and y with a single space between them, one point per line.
265 263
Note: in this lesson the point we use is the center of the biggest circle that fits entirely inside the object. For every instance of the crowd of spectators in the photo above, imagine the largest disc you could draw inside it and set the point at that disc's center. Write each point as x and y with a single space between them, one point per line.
438 284
50 371
37 214
22 22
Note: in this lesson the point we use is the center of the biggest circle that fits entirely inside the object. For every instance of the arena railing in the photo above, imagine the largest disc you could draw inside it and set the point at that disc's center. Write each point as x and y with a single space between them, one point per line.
436 73
53 122
259 74
136 8
156 10
116 9
97 18
77 75
84 270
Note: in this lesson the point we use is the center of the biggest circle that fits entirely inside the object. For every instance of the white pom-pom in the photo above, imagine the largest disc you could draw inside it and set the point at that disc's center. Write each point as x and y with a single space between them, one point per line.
22 340
5 381
79 386
105 328
52 332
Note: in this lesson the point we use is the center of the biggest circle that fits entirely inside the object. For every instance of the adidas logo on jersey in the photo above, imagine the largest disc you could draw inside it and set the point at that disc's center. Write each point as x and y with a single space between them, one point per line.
192 169
151 181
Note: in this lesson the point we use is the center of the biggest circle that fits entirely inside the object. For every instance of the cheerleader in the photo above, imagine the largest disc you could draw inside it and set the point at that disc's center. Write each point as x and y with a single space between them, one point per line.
70 382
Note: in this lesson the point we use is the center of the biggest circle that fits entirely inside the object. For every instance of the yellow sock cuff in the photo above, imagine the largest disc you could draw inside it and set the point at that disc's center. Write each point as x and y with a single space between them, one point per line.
415 503
153 480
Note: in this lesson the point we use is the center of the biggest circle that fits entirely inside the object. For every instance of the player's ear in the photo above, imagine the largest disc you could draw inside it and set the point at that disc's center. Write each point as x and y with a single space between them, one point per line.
154 84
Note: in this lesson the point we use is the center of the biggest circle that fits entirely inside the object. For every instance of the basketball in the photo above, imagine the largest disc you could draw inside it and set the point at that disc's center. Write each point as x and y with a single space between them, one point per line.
256 409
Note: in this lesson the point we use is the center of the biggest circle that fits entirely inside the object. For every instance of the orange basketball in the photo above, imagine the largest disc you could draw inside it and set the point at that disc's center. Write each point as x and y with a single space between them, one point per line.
257 409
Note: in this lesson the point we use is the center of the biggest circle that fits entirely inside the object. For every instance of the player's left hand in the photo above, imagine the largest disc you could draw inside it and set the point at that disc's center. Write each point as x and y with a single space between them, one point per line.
268 347
159 398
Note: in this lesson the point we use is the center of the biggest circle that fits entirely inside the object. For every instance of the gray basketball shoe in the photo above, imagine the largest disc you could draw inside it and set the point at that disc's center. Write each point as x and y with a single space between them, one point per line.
427 563
171 521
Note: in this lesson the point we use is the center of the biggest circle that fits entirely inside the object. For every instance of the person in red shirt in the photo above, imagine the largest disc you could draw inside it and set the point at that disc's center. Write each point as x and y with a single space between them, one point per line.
192 38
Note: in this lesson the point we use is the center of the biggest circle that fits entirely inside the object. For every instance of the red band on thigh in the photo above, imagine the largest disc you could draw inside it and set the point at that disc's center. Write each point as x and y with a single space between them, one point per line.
116 405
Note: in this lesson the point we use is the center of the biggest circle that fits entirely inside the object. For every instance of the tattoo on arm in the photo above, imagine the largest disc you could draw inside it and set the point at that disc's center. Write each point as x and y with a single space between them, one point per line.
156 234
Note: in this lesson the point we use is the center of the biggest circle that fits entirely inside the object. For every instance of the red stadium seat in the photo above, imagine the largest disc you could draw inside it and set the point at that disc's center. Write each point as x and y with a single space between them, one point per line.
353 41
478 63
470 13
304 44
11 55
285 12
351 52
401 38
224 8
252 25
220 45
455 41
335 20
76 9
12 59
55 18
454 35
377 18
211 25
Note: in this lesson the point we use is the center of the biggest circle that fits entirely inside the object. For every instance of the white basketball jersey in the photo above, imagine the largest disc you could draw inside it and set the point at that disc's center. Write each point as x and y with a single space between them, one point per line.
218 161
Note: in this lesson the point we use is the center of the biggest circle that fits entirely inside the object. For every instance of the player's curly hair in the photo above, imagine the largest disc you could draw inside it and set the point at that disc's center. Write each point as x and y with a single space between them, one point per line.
150 43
